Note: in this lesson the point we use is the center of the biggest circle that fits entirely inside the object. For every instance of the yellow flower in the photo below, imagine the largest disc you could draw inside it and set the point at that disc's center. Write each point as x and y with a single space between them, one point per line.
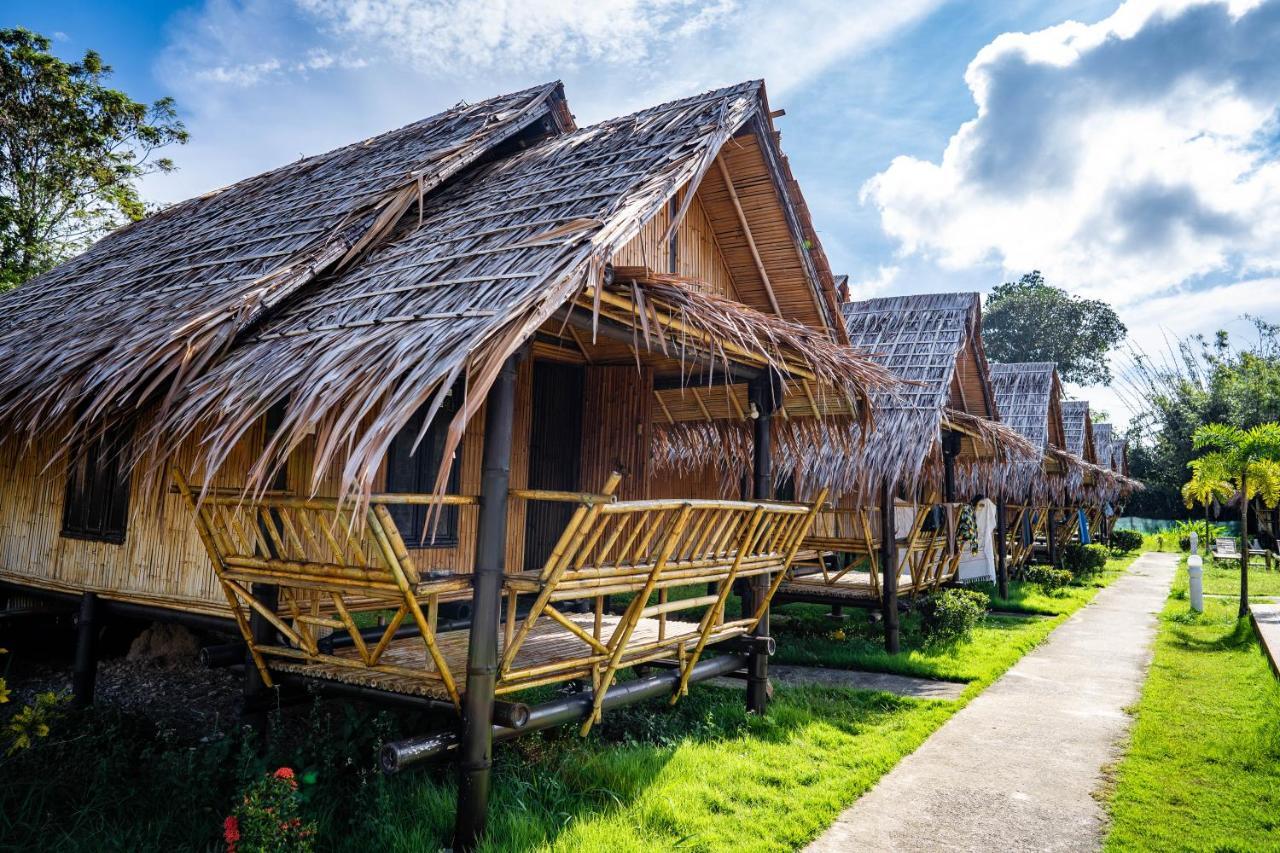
4 692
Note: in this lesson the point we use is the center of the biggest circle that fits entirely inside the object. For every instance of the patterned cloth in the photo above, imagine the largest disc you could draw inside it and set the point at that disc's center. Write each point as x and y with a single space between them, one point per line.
967 528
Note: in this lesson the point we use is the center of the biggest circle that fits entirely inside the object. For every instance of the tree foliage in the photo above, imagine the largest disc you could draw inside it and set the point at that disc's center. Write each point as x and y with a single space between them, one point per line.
1031 320
1244 455
71 152
1199 380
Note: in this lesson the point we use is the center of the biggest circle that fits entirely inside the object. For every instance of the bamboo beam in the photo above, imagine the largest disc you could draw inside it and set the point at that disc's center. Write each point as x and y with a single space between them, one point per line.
746 232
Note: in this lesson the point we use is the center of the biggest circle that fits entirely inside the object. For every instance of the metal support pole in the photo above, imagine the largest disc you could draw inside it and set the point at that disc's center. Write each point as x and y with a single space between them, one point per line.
766 392
1052 545
950 450
476 751
254 711
85 671
1002 547
889 568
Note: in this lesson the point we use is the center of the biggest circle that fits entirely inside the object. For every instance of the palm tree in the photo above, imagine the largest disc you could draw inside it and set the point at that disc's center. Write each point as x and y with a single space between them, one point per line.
1238 452
1207 485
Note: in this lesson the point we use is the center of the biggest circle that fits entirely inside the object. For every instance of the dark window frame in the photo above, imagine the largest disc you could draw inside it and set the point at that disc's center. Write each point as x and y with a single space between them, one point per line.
95 505
415 473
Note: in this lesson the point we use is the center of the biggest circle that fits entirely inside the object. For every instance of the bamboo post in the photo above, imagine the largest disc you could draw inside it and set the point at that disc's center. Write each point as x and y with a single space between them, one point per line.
889 568
1002 561
85 672
764 393
476 750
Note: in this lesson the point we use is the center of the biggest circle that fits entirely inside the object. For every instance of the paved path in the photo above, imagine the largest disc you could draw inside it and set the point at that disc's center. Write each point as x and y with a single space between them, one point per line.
788 675
1017 768
1266 622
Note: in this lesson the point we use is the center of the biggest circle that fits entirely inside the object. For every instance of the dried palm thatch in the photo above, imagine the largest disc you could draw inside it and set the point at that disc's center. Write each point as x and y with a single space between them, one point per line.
668 308
1077 427
918 339
366 291
153 304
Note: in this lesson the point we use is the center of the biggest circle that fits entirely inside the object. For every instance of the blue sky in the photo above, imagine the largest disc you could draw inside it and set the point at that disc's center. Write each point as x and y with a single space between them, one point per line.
1129 151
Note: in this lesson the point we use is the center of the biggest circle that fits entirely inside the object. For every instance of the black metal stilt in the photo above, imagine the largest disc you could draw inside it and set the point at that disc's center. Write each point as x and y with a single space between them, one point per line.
254 713
950 450
84 674
1050 539
765 393
475 757
889 568
1002 544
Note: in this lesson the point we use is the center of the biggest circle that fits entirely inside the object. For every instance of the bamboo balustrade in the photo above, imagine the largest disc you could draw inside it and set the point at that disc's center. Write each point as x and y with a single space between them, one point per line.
926 558
643 557
1019 551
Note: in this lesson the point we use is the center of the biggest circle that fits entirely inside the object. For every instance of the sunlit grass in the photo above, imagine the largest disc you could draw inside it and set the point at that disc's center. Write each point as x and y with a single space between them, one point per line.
1202 771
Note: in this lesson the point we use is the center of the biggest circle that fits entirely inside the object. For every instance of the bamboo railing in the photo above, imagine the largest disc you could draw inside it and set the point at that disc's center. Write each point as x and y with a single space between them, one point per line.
929 557
657 561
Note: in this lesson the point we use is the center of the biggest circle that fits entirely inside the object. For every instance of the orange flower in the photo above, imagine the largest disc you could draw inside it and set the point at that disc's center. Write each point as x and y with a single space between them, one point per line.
286 773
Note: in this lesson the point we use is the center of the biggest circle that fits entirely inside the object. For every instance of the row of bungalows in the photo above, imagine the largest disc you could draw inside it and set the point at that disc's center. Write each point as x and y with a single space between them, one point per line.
417 378
1072 494
493 402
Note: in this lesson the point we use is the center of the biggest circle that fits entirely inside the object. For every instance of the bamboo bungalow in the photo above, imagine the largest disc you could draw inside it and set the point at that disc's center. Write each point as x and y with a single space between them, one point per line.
1029 396
416 377
928 434
1077 426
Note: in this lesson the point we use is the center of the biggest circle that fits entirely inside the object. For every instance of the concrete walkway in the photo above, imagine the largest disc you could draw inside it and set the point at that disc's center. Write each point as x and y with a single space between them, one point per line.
1018 768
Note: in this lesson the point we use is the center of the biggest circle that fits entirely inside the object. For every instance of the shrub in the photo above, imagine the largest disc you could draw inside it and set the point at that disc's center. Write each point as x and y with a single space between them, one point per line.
1125 541
267 818
1048 578
1083 560
950 615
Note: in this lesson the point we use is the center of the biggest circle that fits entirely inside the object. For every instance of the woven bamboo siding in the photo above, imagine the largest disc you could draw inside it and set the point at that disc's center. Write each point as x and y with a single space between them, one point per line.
162 561
617 415
758 195
698 255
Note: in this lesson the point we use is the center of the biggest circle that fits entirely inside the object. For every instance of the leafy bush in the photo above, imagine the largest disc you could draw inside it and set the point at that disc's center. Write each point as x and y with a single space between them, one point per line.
1048 578
268 819
1083 560
950 615
1125 541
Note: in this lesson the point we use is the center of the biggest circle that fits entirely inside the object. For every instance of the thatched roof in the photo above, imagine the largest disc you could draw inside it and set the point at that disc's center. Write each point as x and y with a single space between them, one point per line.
1028 395
923 340
1077 427
355 287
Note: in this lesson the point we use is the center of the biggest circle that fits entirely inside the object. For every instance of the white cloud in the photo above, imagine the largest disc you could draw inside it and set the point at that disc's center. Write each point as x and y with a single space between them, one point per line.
261 82
877 285
1122 158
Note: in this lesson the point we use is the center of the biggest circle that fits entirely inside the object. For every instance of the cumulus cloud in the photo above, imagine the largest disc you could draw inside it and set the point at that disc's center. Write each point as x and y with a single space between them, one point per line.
1125 158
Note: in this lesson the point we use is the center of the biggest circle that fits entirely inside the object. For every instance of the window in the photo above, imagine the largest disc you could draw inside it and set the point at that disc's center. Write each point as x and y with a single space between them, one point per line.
414 472
97 500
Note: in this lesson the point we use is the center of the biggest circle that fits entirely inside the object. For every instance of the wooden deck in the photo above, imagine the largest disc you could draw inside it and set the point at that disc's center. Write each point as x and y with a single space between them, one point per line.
547 644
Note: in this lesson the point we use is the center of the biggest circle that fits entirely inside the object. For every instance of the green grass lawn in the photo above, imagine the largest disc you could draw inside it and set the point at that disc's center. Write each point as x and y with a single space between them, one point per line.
703 775
1223 578
1202 771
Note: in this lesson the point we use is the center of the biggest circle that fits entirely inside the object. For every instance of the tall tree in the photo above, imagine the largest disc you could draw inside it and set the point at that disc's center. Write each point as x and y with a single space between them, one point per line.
1031 320
71 153
1246 455
1208 485
1197 380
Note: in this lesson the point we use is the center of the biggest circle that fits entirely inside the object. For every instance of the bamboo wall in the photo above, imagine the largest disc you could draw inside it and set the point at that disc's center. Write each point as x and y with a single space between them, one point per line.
161 561
698 254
